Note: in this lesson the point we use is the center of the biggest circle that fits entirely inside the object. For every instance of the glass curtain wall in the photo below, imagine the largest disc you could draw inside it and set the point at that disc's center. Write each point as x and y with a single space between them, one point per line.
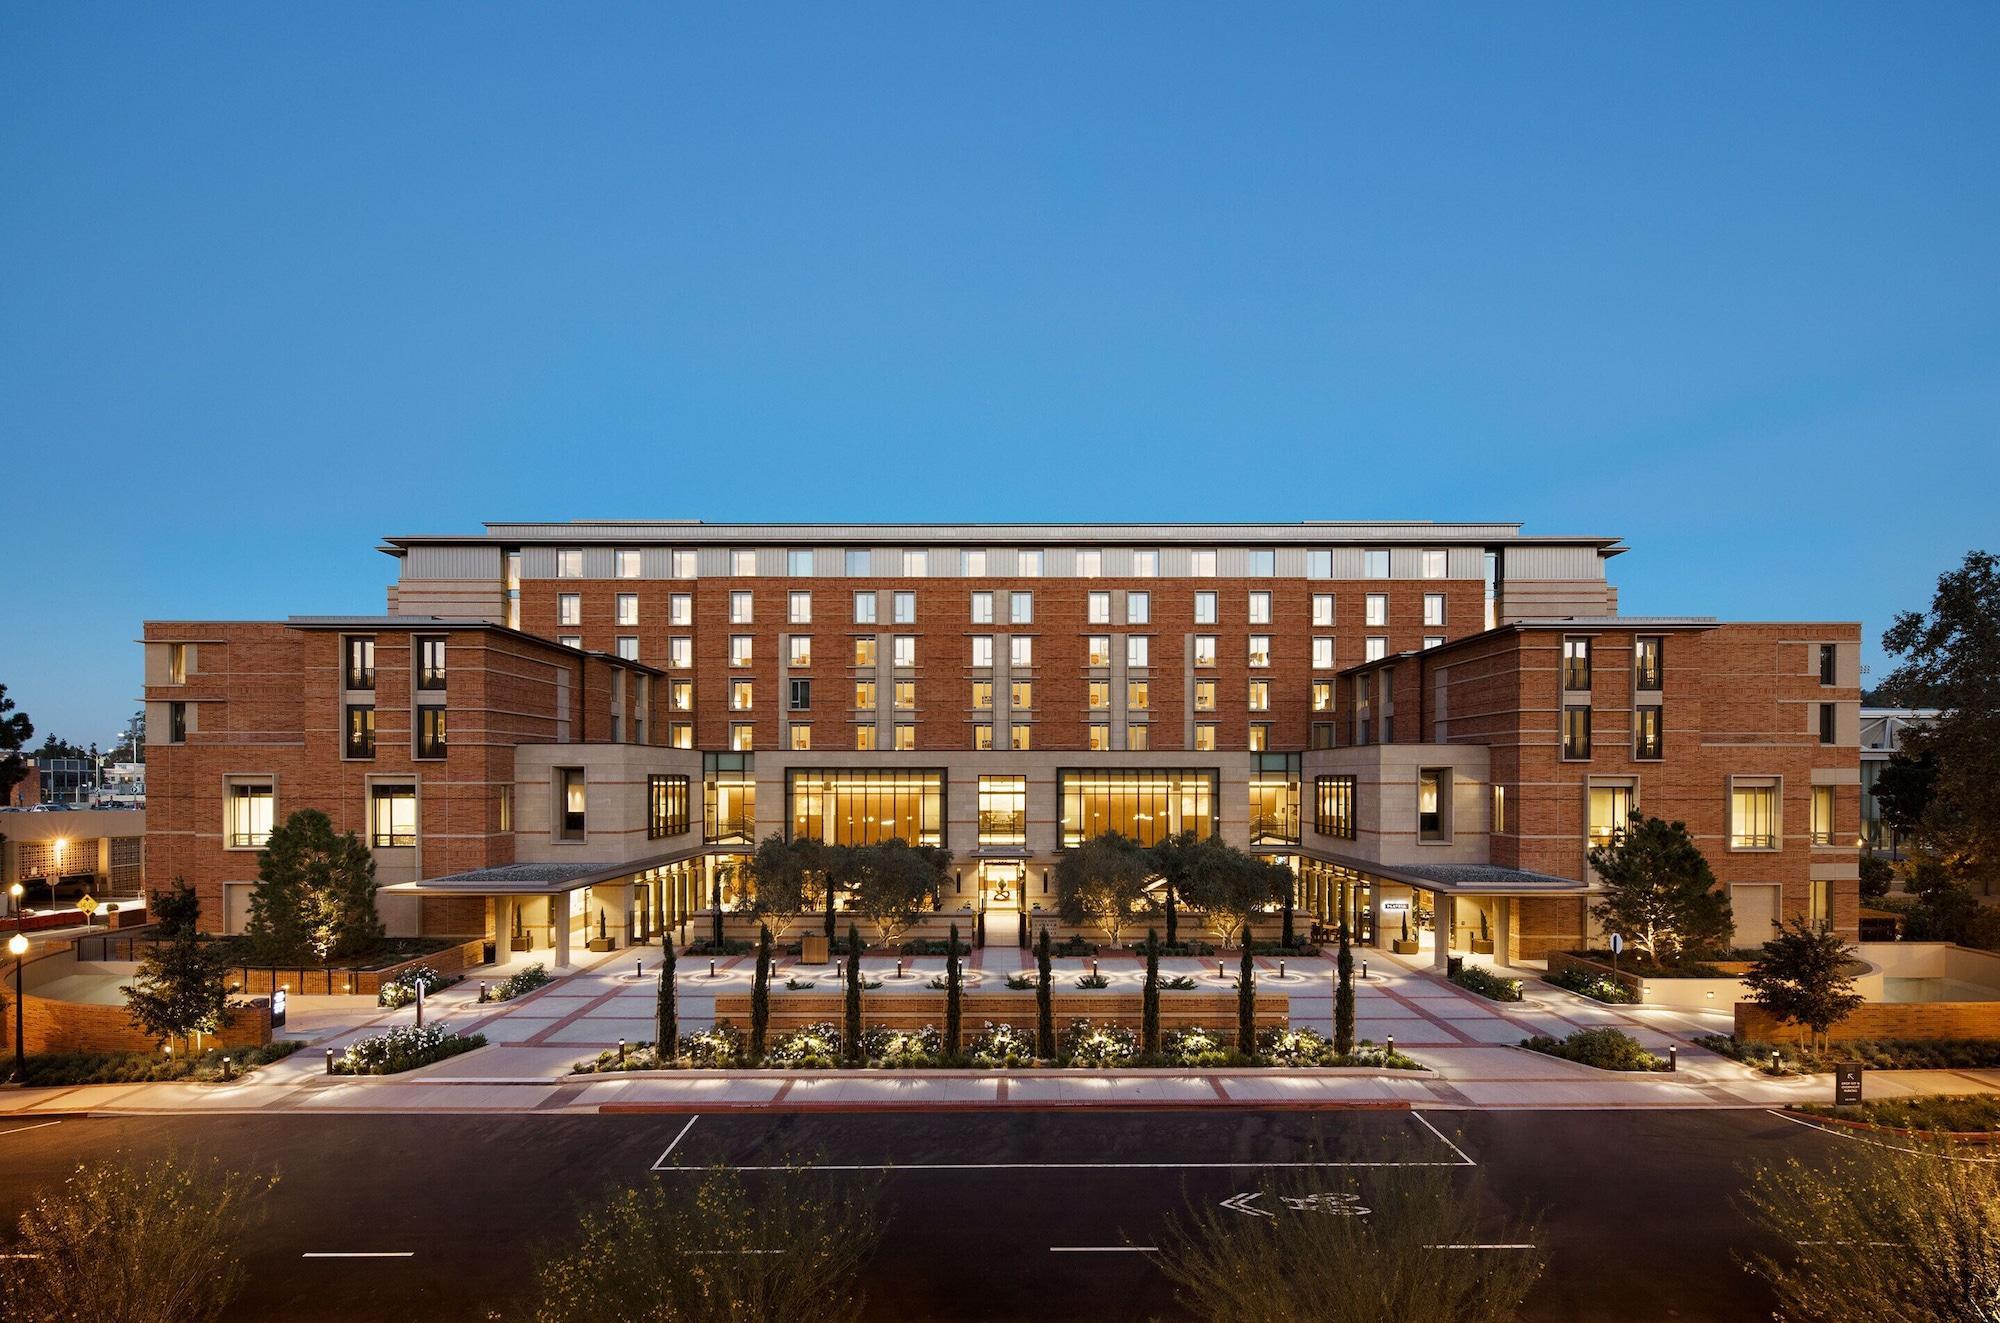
1146 805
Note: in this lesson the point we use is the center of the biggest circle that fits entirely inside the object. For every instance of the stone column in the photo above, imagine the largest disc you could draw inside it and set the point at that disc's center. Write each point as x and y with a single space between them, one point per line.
503 928
1443 915
1503 928
559 920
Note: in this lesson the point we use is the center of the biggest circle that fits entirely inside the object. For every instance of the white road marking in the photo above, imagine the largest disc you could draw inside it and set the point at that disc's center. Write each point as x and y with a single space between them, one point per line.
359 1254
1463 1159
1863 1139
661 1161
22 1130
1104 1249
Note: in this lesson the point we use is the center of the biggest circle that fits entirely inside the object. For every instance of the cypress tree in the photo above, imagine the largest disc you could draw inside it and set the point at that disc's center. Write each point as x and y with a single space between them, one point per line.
1149 1012
1285 938
1045 1019
715 911
954 1009
1343 997
667 1030
1246 1001
760 995
851 1030
1173 914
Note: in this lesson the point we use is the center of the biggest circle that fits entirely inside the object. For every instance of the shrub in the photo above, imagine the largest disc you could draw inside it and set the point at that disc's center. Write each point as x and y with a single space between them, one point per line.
1953 1113
405 1047
1075 946
1371 1055
932 946
1093 981
708 946
144 1067
1021 982
1606 1049
401 990
1196 1047
640 1056
1098 1045
922 1046
1597 987
1486 983
1876 1054
1177 949
1001 1045
1292 1047
525 981
721 1045
813 1047
1177 982
939 983
797 984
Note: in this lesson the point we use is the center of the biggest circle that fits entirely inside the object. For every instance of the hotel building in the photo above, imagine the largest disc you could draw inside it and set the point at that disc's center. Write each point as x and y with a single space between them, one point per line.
562 729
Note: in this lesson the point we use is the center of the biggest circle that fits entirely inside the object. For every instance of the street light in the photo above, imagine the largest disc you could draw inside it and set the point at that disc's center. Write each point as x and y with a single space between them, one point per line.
17 946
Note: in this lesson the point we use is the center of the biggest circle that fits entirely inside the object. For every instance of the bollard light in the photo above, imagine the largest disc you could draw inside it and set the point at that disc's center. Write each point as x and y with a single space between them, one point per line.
638 969
899 966
711 969
1364 969
329 1061
1093 969
1219 970
482 992
1673 1056
621 1051
225 1068
1392 1045
1281 969
1777 1064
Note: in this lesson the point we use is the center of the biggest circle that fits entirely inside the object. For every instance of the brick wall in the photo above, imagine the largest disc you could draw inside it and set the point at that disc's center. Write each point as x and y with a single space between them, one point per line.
71 1026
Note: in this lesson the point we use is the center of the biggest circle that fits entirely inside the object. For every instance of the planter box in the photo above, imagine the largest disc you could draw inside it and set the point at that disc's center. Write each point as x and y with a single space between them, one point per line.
1482 946
1401 947
521 942
813 949
601 944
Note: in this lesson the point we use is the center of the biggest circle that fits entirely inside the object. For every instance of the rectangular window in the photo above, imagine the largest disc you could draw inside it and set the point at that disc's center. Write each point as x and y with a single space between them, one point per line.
1576 665
905 651
1646 672
430 663
856 563
982 650
430 732
1020 735
1753 815
1819 909
1433 805
1263 564
972 564
1499 809
1136 738
864 608
1204 737
982 734
1648 738
628 609
1576 732
864 694
982 608
916 564
1434 609
1098 608
864 736
906 737
1610 815
800 649
251 811
1260 608
1260 695
742 607
1028 565
1021 695
680 653
680 695
1333 806
1089 564
571 801
1138 651
1260 650
1374 648
1260 737
802 735
1201 564
1138 695
1322 654
904 695
1376 606
1020 608
667 807
1099 737
1319 564
680 609
1097 650
1204 695
864 650
1827 729
569 563
799 564
1204 608
728 800
1147 805
684 563
1822 815
1145 564
1099 695
1828 663
1204 650
1322 609
856 806
1138 609
740 695
569 609
177 663
1021 652
742 737
1003 810
628 646
982 695
360 730
361 663
1433 641
1322 696
739 649
799 607
392 816
680 735
903 609
1374 564
743 564
799 695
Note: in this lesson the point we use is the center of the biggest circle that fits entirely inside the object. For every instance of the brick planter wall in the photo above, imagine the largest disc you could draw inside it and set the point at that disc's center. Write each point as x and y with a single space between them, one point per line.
260 981
74 1026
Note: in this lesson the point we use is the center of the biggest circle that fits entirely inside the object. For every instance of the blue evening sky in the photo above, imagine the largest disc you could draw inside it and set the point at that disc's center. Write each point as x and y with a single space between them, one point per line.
277 280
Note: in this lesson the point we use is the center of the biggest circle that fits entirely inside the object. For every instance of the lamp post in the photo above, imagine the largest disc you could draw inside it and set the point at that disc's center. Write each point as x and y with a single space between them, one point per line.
17 946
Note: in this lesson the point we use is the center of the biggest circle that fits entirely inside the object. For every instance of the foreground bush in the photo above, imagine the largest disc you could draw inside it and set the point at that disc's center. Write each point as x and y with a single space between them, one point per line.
1597 987
684 1249
1350 1256
1001 1045
1606 1049
402 989
1880 1232
124 1243
525 981
148 1067
813 1047
922 1046
405 1047
1086 1044
1475 978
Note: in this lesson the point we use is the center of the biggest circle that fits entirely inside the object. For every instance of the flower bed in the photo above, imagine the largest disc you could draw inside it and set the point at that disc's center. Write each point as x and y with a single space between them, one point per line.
1098 1045
523 982
402 989
1960 1114
1001 1045
1474 978
815 1047
1605 1049
1583 981
893 1048
53 1068
1875 1054
405 1047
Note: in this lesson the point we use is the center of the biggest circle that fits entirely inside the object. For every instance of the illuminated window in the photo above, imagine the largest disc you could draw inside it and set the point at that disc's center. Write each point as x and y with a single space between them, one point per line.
1260 695
1003 810
1499 808
864 736
1260 737
1136 737
801 649
1100 736
680 695
1097 650
742 736
1322 696
905 651
1753 815
739 695
1021 652
1646 656
799 607
1204 737
739 649
864 650
1100 695
864 693
1576 732
741 608
802 735
1576 665
906 737
1147 805
177 663
430 732
1204 608
1204 650
1647 740
1333 806
1204 695
680 653
1021 695
982 734
1020 736
982 694
1137 694
251 810
392 816
1822 815
680 735
1260 650
430 663
361 663
1610 814
360 730
905 694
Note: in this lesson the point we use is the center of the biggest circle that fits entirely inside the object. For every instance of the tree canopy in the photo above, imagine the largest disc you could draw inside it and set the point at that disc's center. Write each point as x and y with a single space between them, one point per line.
315 892
180 990
15 732
790 880
1659 892
1803 977
1231 887
896 882
1103 882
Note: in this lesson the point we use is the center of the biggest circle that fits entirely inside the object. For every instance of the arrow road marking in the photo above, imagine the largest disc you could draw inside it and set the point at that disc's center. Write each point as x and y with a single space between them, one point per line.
1240 1203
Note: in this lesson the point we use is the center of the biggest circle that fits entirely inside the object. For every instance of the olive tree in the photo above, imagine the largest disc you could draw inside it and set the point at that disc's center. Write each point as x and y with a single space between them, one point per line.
1103 883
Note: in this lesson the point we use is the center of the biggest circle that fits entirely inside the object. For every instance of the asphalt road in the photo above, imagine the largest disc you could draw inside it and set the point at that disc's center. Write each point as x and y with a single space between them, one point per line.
992 1216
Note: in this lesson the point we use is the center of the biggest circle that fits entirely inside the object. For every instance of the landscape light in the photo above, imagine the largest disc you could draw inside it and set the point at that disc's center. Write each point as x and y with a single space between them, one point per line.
711 969
1392 1044
1364 969
1673 1056
1281 969
329 1061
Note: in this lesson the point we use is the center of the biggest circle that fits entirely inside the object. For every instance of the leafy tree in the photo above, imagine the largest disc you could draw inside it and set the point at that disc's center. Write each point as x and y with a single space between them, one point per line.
1246 1000
1103 882
1659 892
157 1243
1149 1000
954 997
1045 1020
788 880
1876 874
1880 1232
898 883
1944 788
666 1016
15 732
1179 859
315 892
1343 997
1233 887
760 995
1945 910
1802 977
57 747
180 990
175 911
718 1252
842 866
851 1026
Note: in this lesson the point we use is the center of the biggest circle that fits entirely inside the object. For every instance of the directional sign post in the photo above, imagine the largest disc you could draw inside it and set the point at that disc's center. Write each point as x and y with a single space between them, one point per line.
1847 1085
1617 949
89 907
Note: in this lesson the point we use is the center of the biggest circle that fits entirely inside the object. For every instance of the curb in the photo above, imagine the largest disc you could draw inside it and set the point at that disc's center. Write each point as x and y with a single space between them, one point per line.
1039 1105
1846 1123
